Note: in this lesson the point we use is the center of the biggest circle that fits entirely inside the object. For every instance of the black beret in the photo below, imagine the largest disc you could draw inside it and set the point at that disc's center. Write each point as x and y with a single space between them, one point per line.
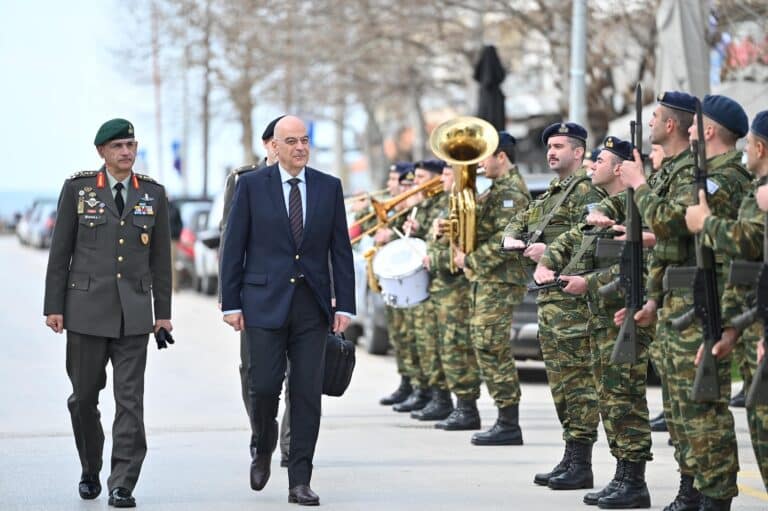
435 166
269 131
726 112
569 129
678 101
595 153
760 124
404 169
113 130
506 139
620 148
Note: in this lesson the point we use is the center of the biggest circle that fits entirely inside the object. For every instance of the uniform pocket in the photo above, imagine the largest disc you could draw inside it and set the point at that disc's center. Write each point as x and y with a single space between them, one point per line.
89 228
144 222
145 284
255 279
79 281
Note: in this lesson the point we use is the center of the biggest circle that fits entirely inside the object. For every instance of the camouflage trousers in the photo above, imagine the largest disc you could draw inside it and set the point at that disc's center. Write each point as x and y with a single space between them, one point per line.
394 322
568 360
405 344
757 417
427 338
458 359
703 433
621 394
492 304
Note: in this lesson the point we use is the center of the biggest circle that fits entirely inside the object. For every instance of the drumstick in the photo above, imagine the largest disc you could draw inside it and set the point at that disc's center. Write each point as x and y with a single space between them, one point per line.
410 244
411 217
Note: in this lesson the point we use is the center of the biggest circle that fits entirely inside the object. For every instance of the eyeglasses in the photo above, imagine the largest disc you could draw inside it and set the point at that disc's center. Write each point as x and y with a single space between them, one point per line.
131 145
291 141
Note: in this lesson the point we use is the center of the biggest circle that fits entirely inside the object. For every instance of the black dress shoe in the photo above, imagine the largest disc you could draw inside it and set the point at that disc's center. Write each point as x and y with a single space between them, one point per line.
260 470
120 497
89 487
303 495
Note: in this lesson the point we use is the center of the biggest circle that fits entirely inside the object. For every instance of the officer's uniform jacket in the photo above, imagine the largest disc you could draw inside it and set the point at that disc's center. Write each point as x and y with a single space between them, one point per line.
106 269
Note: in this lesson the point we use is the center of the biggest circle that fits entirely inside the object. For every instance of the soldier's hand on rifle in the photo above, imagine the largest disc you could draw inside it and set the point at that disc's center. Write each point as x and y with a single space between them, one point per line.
760 350
762 197
543 275
721 348
649 239
643 317
599 219
696 215
511 243
535 251
577 285
632 173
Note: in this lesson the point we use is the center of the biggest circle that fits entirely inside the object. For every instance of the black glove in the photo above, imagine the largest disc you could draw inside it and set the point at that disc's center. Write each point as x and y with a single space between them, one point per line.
163 338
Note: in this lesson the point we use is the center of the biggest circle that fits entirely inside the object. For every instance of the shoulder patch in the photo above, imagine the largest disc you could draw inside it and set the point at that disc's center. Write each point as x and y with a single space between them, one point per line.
84 173
508 203
145 177
712 186
245 168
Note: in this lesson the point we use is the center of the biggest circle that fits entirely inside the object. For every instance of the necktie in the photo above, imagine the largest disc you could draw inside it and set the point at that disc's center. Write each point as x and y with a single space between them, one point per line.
294 211
119 202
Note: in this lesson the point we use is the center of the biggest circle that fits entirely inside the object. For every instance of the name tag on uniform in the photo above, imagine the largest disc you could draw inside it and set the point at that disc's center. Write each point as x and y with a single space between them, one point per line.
508 203
712 187
143 209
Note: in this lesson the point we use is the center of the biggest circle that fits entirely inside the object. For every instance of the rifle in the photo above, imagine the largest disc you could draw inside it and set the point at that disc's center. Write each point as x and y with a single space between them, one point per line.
534 287
741 271
631 261
706 299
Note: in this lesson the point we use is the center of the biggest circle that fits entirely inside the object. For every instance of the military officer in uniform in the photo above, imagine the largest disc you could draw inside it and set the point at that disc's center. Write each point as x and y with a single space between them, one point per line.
109 268
229 191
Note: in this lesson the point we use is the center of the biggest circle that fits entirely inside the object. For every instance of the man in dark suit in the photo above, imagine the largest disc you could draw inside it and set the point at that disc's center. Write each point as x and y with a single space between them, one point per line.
109 266
286 222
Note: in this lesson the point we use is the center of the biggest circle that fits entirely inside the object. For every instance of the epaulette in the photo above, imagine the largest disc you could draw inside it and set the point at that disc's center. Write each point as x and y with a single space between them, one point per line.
245 168
84 173
145 177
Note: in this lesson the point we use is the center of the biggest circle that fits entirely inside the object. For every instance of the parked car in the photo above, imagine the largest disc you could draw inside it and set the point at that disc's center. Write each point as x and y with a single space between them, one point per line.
194 215
207 250
35 227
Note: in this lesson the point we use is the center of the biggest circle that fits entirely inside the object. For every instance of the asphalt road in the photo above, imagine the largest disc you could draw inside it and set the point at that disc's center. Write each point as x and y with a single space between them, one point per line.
368 457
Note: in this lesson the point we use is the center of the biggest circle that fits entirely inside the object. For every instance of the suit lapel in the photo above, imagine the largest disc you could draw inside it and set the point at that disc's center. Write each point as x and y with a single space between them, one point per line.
312 199
276 194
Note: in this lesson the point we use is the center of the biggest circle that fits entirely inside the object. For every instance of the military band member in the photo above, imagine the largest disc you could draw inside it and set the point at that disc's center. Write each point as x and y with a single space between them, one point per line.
620 387
497 286
109 269
741 239
563 318
705 442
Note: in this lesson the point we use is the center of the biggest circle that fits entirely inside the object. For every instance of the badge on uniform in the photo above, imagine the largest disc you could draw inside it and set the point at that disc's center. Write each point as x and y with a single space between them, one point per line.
143 209
145 238
712 186
509 203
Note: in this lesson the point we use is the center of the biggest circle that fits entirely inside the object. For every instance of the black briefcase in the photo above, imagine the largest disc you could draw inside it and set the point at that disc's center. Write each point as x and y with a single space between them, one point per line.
339 364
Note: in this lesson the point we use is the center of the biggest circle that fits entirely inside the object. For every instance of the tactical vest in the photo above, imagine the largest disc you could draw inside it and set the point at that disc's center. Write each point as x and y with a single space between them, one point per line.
540 208
679 250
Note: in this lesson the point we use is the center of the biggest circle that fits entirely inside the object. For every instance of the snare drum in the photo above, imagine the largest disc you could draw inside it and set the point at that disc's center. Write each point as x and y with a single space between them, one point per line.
403 279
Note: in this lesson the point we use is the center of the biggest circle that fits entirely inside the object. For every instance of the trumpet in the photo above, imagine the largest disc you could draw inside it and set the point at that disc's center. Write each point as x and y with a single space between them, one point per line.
381 209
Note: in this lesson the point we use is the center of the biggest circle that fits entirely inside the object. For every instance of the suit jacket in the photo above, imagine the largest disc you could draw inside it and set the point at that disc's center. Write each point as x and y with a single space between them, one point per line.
102 266
261 264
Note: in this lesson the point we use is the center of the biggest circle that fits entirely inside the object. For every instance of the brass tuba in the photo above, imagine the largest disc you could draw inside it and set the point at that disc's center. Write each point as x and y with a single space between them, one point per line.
463 142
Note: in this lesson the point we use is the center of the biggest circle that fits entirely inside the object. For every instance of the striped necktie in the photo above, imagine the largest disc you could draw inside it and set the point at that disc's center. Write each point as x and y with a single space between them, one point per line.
294 211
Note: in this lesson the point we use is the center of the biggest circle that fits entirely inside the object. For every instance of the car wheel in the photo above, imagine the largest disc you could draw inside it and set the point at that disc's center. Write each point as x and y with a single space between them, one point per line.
198 284
209 285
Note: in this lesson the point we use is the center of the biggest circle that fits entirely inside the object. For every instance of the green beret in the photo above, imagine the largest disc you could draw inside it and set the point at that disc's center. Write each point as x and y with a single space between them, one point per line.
112 130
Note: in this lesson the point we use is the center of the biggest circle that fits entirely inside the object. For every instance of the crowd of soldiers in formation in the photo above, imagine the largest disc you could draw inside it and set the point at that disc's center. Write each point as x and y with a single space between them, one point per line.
459 337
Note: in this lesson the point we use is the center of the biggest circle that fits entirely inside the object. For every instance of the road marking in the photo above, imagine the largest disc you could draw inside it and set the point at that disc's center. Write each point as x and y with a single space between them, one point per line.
752 492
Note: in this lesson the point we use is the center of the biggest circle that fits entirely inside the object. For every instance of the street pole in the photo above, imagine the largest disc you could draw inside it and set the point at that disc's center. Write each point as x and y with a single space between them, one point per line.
577 105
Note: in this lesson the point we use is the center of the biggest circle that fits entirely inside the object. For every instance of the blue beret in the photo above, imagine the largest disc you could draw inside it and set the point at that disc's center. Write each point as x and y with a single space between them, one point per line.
435 166
113 130
569 129
506 139
760 124
678 101
620 148
269 131
726 112
595 153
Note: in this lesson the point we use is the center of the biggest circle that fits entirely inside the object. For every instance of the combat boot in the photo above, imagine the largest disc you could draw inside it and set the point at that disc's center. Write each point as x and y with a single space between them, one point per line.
506 431
438 408
659 423
631 492
464 417
591 498
542 478
579 473
416 401
688 498
710 504
400 394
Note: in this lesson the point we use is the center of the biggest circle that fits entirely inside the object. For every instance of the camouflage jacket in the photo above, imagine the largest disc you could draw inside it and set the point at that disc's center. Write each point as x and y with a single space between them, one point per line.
507 197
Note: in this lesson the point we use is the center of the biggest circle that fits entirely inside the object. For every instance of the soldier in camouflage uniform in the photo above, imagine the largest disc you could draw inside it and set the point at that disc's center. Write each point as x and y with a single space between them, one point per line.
451 294
425 313
742 239
563 318
705 442
620 387
497 285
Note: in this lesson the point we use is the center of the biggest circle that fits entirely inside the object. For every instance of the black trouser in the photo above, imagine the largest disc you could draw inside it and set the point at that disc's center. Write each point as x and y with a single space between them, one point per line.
285 425
87 358
302 339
